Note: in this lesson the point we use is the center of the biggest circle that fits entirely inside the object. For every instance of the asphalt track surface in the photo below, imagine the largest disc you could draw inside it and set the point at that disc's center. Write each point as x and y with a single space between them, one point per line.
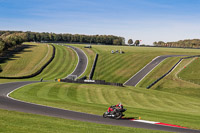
82 62
133 81
8 103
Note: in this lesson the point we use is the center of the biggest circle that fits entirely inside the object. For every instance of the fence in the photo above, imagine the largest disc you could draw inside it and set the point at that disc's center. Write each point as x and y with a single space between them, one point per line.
81 81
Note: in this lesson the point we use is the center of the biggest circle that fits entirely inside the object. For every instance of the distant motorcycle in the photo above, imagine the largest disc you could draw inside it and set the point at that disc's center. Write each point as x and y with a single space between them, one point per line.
116 114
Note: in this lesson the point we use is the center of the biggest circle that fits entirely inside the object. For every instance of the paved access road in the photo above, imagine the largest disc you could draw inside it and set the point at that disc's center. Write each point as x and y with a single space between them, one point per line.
133 81
12 104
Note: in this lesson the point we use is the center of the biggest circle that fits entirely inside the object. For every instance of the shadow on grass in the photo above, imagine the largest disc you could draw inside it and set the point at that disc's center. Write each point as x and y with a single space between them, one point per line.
11 54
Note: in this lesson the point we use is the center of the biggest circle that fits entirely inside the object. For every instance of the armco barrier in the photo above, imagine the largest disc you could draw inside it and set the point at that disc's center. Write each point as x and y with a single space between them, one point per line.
93 67
148 87
102 82
36 73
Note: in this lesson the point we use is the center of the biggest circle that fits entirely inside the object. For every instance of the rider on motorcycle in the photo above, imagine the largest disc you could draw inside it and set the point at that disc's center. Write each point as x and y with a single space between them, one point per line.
111 108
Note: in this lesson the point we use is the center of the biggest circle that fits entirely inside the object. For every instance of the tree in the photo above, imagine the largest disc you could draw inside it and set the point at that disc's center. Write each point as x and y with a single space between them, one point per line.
161 43
130 41
116 42
2 45
12 38
137 42
155 43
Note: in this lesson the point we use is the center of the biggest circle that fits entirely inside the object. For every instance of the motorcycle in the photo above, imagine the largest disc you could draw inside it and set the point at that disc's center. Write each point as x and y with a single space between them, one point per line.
116 114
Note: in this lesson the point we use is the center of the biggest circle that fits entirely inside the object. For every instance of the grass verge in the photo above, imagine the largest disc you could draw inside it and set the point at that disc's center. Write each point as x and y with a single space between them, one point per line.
191 72
15 122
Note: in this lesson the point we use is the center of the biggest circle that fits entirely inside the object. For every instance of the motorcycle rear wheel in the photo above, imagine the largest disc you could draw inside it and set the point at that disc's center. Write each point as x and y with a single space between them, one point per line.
104 115
118 116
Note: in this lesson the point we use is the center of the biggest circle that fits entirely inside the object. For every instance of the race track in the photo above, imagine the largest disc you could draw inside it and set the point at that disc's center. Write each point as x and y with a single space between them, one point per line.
15 105
82 62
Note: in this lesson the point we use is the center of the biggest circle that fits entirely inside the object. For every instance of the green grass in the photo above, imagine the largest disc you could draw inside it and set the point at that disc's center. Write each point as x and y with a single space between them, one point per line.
173 100
15 122
183 81
110 67
95 99
28 61
173 84
62 65
191 72
120 67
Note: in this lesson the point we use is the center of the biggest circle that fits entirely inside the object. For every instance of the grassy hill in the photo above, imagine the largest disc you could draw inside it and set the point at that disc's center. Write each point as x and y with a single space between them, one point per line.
120 67
174 100
192 72
174 83
63 64
27 61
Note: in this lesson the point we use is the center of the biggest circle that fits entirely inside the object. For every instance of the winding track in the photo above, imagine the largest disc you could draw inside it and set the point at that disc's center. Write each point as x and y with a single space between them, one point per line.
133 81
82 62
11 104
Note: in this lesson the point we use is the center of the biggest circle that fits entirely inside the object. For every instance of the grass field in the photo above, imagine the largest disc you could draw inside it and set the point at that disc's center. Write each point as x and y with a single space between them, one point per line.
62 65
192 72
120 67
95 99
27 61
173 83
15 122
175 99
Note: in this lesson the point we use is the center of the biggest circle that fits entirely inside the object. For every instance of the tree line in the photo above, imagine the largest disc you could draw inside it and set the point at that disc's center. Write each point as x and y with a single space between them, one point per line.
8 40
13 38
189 43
